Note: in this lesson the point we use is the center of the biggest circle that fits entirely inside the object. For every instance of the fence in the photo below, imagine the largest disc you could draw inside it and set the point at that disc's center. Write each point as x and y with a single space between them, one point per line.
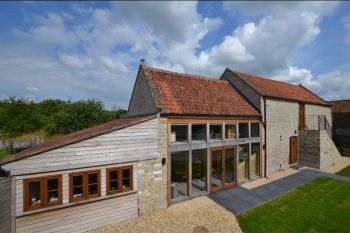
14 145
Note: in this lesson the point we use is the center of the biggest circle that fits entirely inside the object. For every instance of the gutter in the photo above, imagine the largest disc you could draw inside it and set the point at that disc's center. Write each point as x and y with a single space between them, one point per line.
265 153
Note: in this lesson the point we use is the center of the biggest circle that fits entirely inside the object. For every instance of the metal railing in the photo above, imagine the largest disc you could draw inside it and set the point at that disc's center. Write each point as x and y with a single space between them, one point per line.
318 122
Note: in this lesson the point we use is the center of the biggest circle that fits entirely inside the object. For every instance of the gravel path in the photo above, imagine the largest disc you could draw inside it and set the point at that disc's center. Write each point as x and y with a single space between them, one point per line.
199 215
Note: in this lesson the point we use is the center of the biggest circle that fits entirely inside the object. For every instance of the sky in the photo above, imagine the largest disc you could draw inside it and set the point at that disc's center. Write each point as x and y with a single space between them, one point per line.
92 50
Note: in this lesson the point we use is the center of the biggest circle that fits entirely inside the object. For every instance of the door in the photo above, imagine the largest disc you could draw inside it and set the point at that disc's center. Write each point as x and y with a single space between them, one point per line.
302 124
222 168
293 150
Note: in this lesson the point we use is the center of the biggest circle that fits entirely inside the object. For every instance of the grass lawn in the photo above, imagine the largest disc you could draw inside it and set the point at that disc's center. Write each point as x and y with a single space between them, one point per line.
3 153
322 205
344 171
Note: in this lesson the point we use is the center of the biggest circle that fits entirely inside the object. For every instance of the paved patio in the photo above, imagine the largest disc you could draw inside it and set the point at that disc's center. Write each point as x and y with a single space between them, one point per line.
240 199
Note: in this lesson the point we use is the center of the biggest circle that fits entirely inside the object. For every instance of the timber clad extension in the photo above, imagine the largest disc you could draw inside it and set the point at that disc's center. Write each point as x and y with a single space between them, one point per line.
184 136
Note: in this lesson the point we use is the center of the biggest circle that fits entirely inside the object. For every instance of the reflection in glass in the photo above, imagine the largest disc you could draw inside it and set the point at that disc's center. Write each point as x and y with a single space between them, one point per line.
179 174
229 166
126 179
199 171
243 166
113 181
255 159
215 132
199 132
254 130
93 184
216 171
179 133
34 194
52 191
243 130
78 186
230 131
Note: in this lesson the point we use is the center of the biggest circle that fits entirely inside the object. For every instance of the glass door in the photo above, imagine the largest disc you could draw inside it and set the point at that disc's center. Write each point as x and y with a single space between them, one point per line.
223 169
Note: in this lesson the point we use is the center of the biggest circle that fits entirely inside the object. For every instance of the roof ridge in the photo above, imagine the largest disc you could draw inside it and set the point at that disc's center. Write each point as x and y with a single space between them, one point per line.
186 74
263 77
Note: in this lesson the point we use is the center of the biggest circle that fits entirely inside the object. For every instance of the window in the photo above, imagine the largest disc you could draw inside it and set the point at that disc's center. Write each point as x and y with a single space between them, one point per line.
85 185
255 159
179 166
230 131
119 180
199 132
243 130
42 192
254 130
199 171
179 133
243 165
215 131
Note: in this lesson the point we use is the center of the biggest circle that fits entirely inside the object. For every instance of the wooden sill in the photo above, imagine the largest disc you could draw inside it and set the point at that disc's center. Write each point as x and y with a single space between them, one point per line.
72 204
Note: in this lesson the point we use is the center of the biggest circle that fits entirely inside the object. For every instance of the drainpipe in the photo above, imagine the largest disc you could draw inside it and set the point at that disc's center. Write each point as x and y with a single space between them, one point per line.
265 166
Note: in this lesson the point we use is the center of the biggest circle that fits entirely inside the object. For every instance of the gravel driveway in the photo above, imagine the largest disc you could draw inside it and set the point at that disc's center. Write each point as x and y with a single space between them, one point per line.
199 215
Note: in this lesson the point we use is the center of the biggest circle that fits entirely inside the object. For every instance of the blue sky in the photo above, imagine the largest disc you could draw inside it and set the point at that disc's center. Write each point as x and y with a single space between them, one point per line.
84 50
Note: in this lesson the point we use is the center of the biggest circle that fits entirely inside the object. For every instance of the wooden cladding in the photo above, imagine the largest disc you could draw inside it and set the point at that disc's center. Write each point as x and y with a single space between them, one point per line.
84 185
119 180
42 192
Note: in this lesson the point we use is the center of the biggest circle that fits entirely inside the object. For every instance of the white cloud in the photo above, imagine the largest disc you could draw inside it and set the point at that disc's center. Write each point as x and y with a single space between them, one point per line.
335 85
33 89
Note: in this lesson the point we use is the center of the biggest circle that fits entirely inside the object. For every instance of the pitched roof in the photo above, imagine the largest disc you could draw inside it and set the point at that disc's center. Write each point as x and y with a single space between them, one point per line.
77 137
184 94
340 106
276 89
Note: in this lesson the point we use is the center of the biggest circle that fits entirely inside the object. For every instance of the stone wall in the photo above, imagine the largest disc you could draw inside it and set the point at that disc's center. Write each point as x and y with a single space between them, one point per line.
319 110
5 204
281 124
309 148
152 176
316 149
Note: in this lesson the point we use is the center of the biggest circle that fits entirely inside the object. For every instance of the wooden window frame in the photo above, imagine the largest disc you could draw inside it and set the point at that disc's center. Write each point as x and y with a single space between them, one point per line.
85 184
120 180
43 192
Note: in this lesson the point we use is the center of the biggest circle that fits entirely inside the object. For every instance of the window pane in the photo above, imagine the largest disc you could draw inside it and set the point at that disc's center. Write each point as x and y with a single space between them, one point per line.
243 130
230 131
179 174
52 197
179 133
126 179
215 132
93 189
93 178
78 192
77 180
113 175
113 186
229 166
199 132
243 166
52 184
255 159
34 194
216 170
254 130
199 171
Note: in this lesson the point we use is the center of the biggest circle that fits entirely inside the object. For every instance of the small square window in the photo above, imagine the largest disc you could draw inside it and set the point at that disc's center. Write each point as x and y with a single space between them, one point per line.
254 130
230 131
215 132
243 130
199 132
179 133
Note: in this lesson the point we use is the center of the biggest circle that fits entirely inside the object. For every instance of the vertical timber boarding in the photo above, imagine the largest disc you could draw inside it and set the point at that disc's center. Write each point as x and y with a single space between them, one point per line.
302 124
5 204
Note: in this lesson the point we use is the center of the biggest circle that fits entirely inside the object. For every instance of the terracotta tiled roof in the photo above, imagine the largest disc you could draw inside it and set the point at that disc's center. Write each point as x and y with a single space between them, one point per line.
184 94
277 89
340 106
77 137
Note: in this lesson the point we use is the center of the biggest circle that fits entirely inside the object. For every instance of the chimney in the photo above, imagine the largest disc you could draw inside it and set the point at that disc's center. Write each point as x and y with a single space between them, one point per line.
142 61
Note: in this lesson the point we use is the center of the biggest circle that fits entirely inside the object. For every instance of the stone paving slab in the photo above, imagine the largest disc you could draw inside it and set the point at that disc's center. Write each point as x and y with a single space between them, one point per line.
240 199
